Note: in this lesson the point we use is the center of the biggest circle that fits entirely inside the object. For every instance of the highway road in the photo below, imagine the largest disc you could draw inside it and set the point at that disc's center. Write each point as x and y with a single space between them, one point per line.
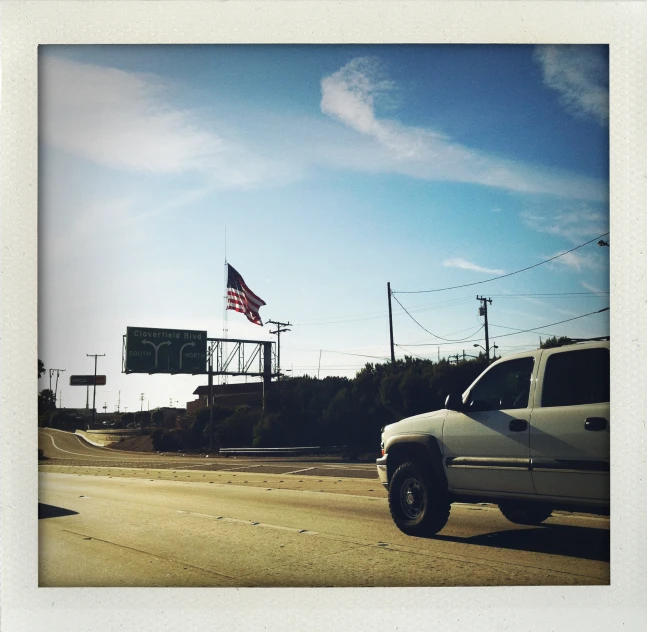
110 518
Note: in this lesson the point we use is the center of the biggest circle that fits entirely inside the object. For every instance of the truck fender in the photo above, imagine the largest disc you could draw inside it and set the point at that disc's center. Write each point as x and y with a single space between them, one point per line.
423 448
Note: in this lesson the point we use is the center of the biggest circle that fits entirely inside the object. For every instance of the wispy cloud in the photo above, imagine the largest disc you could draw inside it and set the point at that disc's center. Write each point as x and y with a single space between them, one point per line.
580 75
575 224
577 261
126 121
468 265
591 288
548 307
352 95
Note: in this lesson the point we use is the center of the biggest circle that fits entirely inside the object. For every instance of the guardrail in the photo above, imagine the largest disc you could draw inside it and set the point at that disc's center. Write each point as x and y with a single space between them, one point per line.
293 451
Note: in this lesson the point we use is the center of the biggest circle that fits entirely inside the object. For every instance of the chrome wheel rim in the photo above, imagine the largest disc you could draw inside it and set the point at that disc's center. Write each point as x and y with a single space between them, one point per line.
412 498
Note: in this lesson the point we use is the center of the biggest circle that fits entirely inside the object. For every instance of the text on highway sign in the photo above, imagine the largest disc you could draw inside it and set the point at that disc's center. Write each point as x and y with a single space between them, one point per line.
151 350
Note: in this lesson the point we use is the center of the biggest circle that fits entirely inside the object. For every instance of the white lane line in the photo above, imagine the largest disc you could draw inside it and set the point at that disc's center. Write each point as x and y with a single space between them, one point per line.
251 523
67 451
306 469
243 467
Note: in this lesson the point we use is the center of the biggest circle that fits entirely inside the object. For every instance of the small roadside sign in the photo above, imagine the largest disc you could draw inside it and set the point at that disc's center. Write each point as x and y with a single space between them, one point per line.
87 380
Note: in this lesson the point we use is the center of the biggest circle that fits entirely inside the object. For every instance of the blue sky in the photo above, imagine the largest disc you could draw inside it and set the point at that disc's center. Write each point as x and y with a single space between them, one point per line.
332 169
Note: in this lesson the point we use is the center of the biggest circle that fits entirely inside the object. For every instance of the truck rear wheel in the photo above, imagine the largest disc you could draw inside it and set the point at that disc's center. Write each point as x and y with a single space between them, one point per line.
417 507
525 513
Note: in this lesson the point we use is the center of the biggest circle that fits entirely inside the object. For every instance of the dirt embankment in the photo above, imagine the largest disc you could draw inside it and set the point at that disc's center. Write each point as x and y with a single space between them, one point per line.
142 443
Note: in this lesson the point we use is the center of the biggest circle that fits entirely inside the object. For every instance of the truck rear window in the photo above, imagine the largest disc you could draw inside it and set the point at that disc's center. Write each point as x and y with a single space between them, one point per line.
576 377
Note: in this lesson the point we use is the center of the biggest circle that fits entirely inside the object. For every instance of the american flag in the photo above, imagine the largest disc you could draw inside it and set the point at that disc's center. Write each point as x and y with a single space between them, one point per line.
241 299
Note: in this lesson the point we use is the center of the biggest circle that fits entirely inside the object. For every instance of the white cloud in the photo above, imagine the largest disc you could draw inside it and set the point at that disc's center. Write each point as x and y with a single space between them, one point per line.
591 288
467 265
580 75
125 121
575 224
351 96
579 262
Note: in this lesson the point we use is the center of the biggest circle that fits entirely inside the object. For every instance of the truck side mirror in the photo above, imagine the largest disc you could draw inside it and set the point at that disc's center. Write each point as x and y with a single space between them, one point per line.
454 402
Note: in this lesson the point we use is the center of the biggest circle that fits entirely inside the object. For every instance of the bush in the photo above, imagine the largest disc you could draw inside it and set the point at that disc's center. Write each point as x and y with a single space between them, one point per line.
237 431
172 440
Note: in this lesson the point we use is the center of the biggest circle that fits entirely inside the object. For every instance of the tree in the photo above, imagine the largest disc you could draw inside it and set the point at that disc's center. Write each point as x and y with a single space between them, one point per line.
46 406
550 343
157 418
41 368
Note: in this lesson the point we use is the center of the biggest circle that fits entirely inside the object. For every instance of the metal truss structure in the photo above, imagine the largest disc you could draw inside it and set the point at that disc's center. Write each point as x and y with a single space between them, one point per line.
229 356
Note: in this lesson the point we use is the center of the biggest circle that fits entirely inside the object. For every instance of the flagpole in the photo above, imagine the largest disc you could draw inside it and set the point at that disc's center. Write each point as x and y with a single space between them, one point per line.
225 330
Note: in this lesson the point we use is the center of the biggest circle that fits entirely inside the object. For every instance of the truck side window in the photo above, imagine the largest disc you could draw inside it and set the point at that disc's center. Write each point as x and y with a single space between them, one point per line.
505 386
576 377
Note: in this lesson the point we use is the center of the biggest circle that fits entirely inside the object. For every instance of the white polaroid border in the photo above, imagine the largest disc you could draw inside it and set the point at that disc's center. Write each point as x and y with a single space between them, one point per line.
25 25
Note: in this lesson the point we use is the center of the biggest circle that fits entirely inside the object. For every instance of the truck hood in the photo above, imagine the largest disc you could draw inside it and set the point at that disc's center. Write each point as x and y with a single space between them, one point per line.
415 423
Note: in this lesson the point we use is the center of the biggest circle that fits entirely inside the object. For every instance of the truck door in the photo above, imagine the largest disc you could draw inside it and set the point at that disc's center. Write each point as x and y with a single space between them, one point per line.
487 444
569 431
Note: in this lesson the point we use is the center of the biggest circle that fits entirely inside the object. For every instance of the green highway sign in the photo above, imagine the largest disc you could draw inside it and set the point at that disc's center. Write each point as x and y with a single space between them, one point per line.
87 380
150 350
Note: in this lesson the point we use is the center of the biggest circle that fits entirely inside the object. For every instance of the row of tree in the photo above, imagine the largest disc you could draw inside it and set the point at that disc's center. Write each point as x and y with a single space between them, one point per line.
335 411
306 411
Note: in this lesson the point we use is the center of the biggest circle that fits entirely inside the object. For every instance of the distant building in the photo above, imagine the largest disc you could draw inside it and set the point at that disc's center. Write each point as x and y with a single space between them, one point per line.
249 393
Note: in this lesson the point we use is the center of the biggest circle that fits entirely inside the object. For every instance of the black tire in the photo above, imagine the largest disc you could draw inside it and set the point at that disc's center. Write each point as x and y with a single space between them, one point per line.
417 506
525 514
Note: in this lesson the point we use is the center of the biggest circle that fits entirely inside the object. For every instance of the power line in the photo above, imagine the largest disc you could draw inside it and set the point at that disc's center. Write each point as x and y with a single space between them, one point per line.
553 295
429 332
503 276
335 320
520 331
411 352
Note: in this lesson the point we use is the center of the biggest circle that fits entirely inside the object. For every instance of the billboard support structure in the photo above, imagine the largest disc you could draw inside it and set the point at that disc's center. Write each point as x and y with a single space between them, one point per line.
176 351
210 356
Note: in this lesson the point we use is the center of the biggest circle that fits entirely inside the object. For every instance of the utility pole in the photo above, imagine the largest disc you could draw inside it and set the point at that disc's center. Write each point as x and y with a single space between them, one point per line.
51 371
319 368
210 372
119 401
483 312
141 399
94 388
388 289
280 328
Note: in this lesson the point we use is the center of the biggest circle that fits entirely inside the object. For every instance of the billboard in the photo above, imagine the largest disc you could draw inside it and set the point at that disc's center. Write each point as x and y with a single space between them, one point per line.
150 350
87 380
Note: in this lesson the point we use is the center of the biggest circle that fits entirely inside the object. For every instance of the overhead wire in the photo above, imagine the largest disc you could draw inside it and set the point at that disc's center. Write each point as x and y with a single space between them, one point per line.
515 333
429 332
503 276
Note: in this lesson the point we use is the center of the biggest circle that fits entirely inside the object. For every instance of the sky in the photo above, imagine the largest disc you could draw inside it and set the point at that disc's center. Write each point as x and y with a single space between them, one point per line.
320 173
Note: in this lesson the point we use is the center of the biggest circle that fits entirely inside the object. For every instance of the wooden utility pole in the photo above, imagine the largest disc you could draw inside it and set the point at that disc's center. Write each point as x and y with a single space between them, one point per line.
483 312
280 328
388 289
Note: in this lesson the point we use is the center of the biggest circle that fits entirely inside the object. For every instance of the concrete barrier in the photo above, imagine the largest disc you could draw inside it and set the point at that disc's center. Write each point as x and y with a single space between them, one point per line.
106 437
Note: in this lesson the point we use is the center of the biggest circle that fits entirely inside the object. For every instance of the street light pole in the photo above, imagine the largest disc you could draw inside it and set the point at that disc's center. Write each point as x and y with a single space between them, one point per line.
94 389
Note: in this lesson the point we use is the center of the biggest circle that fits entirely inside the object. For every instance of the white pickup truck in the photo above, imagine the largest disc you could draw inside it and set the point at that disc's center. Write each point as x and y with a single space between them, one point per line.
531 434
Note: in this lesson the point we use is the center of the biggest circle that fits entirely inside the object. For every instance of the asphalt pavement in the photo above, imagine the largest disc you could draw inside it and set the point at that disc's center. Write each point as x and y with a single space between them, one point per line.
143 519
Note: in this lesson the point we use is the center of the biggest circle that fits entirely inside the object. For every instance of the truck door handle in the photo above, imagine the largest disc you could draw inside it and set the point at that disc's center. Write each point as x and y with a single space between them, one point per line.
518 425
595 423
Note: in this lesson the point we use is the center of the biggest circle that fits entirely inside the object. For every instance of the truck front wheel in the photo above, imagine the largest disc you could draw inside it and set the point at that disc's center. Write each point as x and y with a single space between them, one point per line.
417 506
